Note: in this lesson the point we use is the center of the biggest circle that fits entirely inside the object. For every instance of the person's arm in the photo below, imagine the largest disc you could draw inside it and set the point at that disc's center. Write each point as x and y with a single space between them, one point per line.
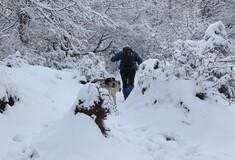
138 59
116 57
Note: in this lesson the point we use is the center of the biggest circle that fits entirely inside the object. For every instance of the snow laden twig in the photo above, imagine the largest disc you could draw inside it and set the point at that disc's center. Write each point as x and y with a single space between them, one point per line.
47 17
55 9
104 18
12 25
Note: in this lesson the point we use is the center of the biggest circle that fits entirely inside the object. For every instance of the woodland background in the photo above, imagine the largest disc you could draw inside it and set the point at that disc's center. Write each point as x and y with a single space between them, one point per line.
72 28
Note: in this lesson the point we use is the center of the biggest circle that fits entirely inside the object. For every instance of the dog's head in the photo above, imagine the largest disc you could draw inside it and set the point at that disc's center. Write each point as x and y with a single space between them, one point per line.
110 82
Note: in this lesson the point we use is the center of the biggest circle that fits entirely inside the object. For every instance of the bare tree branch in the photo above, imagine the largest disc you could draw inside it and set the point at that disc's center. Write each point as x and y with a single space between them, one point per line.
105 47
91 37
102 39
108 7
99 43
78 54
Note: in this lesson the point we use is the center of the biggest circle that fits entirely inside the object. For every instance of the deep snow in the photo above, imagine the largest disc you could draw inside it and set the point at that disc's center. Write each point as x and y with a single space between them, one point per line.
167 122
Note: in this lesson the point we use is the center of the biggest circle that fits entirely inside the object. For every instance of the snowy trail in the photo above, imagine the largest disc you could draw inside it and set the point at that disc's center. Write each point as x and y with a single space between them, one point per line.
42 125
165 131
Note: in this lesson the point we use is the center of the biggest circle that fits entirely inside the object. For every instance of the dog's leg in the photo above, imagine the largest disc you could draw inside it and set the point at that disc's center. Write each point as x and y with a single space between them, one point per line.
114 99
113 96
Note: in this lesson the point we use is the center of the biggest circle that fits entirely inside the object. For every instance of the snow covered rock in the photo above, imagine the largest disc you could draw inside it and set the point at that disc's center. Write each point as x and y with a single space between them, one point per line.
8 92
94 101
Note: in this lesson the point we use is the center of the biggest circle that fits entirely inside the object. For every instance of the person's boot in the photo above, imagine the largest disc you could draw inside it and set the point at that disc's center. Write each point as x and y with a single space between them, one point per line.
129 89
125 93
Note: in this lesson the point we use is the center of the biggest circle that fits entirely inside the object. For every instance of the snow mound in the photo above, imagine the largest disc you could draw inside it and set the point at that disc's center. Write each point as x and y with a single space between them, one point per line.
95 102
8 91
170 122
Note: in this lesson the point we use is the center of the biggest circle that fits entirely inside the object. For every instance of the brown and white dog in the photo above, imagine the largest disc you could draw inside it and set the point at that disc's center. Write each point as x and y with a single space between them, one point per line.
113 91
111 84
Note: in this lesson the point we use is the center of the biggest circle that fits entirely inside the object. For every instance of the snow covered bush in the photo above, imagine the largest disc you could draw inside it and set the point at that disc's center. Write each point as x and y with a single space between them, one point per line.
8 92
207 61
92 66
216 39
57 60
151 70
95 102
15 60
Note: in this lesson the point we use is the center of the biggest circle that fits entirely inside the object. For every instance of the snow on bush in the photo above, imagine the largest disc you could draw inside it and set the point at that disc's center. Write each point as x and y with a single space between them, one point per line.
214 41
19 59
89 65
207 61
204 62
154 69
92 66
216 38
8 92
95 102
15 60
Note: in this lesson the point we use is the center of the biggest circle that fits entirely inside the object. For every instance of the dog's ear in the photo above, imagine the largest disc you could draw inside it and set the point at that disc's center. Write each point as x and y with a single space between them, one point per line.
110 79
107 80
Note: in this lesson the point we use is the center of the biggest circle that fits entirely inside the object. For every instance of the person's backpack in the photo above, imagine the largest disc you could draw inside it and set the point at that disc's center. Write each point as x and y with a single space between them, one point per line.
128 58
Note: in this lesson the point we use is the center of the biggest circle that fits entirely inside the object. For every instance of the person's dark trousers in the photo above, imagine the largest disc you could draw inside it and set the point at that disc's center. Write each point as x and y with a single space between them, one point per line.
128 77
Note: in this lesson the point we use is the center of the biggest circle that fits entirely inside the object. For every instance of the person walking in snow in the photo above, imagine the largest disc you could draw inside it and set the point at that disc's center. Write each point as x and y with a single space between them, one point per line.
128 68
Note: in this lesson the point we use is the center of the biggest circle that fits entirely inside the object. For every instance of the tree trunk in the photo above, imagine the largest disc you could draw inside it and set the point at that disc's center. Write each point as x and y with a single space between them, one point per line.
24 19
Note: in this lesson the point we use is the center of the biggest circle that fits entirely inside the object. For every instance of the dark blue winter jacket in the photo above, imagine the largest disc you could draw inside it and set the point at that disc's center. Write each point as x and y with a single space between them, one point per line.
119 55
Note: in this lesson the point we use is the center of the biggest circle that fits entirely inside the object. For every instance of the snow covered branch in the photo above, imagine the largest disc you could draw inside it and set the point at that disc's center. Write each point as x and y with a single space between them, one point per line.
55 9
45 15
12 25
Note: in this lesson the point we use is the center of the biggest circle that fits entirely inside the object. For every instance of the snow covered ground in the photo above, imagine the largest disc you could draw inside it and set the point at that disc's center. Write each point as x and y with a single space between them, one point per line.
167 122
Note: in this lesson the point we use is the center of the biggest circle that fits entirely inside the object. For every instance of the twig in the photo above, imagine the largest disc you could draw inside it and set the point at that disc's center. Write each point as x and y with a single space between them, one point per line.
102 38
48 18
67 6
78 54
54 9
105 47
6 35
108 7
10 26
103 17
6 17
186 122
227 61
